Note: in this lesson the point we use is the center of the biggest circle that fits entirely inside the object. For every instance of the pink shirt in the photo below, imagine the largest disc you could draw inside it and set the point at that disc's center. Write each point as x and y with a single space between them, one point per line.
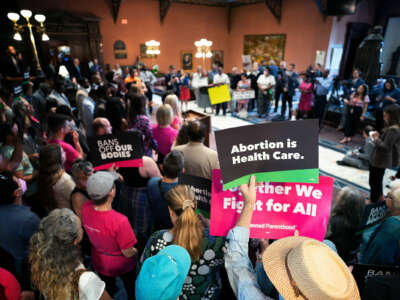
357 101
12 289
165 138
70 153
176 123
109 232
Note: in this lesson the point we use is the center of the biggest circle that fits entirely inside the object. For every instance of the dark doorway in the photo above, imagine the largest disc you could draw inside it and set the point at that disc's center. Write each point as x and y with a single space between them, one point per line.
356 32
78 34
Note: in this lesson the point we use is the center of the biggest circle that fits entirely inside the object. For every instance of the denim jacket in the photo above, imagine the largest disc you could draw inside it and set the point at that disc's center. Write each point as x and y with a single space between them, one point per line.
242 276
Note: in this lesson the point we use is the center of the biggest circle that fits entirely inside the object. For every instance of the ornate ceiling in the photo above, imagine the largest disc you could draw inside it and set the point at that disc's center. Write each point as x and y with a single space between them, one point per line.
222 3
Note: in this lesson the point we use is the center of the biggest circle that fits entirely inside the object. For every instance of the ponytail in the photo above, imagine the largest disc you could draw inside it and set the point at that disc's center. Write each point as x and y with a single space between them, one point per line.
187 230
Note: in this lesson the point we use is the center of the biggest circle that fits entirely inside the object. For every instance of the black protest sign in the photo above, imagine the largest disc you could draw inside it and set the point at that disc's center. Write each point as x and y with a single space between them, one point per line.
201 188
364 272
374 213
273 152
124 150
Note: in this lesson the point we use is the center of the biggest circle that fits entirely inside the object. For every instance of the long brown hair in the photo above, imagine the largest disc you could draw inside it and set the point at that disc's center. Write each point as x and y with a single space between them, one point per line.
364 93
50 170
393 113
187 230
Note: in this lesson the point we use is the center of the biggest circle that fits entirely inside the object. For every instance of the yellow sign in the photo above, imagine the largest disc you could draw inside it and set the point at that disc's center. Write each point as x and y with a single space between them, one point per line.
219 94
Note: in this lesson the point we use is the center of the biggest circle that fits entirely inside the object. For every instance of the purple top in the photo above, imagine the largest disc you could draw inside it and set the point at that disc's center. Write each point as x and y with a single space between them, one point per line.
142 123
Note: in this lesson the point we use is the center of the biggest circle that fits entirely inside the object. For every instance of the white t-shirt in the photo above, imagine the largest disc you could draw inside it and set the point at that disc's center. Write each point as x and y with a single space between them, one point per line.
266 81
223 78
196 80
91 287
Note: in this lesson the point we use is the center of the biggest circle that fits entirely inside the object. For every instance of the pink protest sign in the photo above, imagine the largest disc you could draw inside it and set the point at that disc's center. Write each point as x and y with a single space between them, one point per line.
280 208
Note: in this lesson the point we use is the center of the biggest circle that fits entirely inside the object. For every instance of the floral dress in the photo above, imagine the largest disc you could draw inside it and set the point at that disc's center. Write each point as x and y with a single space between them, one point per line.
203 280
142 123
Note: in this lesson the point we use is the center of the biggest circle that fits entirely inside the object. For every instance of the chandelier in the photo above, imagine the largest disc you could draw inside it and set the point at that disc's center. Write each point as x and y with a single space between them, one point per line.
152 47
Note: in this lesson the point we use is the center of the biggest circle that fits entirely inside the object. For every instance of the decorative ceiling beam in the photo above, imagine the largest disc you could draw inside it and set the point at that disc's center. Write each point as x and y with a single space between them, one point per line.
115 4
275 6
164 7
219 3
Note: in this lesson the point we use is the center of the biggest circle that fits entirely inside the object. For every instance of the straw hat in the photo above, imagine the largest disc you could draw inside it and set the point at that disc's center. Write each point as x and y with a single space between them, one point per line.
308 268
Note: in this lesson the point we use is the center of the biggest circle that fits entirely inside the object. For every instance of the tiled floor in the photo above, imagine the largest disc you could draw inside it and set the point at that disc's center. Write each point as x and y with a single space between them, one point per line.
327 156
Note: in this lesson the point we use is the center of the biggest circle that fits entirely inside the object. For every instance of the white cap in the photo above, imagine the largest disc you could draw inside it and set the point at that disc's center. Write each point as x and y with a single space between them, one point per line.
99 184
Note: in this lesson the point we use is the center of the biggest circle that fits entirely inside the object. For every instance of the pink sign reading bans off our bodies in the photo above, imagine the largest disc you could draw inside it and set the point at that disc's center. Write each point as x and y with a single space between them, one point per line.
280 209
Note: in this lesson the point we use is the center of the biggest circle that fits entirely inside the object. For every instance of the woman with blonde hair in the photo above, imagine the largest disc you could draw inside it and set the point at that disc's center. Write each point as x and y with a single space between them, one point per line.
192 233
163 133
172 100
56 263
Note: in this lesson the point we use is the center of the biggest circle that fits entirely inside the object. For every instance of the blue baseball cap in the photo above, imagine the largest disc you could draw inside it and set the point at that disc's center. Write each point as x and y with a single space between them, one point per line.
162 275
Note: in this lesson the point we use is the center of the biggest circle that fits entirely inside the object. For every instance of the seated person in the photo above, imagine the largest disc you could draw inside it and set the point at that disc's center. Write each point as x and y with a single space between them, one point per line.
360 158
383 247
344 226
167 270
158 188
293 264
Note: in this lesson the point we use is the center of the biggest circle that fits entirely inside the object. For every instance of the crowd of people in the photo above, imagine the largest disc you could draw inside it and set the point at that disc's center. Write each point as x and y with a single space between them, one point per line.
68 232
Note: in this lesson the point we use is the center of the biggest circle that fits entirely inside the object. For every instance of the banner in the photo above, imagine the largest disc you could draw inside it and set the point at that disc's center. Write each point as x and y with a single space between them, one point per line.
274 152
243 95
362 272
124 150
202 190
280 209
219 94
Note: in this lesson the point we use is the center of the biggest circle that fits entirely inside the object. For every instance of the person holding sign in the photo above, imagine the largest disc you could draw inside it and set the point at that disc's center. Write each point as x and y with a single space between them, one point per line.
266 83
293 264
243 85
383 247
219 79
